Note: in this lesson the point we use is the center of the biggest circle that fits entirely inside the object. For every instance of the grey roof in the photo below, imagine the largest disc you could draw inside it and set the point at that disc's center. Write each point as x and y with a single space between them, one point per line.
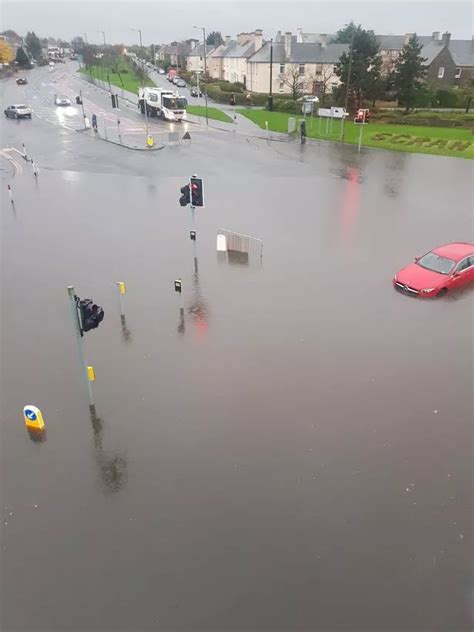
430 51
239 50
301 53
316 38
198 51
462 52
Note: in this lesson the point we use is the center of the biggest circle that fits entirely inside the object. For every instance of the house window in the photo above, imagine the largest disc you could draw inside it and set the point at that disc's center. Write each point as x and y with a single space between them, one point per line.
319 69
458 73
282 69
301 69
440 72
281 87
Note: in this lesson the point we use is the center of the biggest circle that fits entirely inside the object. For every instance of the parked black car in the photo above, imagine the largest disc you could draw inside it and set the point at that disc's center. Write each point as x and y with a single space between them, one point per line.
194 92
22 81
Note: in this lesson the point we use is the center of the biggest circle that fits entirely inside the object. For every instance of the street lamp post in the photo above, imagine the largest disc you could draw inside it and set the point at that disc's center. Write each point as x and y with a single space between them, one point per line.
203 29
347 88
105 46
139 31
270 95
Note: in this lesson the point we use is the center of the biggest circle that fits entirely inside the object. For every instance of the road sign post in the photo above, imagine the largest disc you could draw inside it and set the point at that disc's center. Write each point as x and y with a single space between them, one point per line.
78 329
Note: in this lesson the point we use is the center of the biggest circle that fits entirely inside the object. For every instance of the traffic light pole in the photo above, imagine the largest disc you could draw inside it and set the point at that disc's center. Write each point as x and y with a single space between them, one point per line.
80 344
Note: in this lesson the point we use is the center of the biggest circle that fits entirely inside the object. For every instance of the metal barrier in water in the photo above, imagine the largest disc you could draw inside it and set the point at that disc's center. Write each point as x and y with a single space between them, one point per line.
236 242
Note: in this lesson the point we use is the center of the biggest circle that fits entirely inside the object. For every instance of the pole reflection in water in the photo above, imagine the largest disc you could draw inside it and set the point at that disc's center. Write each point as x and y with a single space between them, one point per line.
112 467
181 324
126 333
198 310
37 436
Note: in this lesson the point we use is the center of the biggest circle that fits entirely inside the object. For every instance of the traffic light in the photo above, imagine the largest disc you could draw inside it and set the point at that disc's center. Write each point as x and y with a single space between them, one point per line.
192 234
185 196
114 98
197 197
177 286
91 314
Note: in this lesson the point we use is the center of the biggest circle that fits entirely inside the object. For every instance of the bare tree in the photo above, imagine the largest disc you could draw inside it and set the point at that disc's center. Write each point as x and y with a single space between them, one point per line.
295 81
322 81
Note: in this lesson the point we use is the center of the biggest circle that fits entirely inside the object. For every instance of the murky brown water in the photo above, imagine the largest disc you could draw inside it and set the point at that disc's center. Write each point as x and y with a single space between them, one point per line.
293 452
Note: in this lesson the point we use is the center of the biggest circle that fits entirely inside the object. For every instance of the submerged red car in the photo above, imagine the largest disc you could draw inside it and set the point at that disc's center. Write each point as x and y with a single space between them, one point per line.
439 271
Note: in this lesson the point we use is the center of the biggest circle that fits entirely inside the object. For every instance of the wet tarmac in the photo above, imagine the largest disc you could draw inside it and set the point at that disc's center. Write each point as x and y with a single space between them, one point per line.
290 451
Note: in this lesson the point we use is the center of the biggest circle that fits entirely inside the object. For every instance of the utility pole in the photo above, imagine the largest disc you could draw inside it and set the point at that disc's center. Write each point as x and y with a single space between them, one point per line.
203 29
347 87
270 95
139 31
105 46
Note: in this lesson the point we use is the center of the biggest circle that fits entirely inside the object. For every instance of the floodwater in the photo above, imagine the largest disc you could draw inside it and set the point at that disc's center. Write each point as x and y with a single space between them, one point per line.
291 451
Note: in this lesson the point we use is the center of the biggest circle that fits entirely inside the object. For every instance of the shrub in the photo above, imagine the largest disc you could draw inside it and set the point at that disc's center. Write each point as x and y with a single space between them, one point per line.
287 105
226 86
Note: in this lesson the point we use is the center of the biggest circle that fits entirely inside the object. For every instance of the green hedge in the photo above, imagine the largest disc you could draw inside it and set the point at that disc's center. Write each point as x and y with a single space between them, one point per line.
287 105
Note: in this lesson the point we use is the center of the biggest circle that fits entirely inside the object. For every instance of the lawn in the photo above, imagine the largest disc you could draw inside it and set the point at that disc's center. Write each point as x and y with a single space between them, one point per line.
442 141
212 113
121 75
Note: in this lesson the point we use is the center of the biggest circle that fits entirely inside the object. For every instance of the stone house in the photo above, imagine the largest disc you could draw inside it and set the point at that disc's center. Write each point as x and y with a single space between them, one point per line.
310 63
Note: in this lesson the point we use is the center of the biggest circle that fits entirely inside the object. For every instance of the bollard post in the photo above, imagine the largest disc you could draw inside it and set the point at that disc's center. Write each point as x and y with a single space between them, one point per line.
79 335
105 128
360 137
24 152
122 290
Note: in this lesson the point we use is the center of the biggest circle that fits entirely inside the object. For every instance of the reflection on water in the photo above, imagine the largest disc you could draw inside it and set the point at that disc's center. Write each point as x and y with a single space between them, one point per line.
350 203
126 333
237 258
394 167
181 324
37 436
198 309
112 467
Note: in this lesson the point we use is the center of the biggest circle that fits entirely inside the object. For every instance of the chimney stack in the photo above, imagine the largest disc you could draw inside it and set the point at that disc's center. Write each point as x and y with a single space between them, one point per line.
227 39
278 36
299 35
324 40
288 44
446 39
258 39
435 36
408 37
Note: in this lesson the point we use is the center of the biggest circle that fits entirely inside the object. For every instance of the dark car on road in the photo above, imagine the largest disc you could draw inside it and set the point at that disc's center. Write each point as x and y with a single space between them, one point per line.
195 93
22 81
18 111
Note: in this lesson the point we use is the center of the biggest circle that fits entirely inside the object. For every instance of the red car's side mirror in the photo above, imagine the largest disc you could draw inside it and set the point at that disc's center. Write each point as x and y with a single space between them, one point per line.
417 259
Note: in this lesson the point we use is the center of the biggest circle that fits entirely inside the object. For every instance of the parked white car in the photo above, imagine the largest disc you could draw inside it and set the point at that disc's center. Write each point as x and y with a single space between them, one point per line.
62 101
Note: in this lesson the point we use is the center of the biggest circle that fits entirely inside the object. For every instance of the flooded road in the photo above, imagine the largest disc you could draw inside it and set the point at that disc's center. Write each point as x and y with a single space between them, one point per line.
292 453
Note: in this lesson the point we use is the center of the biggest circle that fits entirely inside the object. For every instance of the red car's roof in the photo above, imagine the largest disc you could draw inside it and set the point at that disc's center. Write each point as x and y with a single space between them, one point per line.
455 251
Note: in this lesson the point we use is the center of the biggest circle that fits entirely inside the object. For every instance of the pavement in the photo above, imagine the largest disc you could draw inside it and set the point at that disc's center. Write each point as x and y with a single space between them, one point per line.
286 445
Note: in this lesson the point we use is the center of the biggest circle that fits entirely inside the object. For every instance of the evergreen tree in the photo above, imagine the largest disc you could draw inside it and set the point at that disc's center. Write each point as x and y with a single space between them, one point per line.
344 35
365 81
33 45
22 58
409 73
214 39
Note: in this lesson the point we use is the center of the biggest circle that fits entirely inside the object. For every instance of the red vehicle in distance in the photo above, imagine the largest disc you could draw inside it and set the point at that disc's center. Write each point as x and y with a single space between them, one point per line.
439 271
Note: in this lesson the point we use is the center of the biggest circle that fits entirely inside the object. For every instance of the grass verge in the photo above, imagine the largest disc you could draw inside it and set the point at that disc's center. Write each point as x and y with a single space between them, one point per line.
213 113
441 141
120 74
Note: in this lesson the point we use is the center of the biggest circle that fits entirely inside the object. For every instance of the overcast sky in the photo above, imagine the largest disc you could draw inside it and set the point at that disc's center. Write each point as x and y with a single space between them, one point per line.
165 21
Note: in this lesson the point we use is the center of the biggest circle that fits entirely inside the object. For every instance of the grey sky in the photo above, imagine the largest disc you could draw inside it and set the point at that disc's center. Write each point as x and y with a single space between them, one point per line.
165 21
